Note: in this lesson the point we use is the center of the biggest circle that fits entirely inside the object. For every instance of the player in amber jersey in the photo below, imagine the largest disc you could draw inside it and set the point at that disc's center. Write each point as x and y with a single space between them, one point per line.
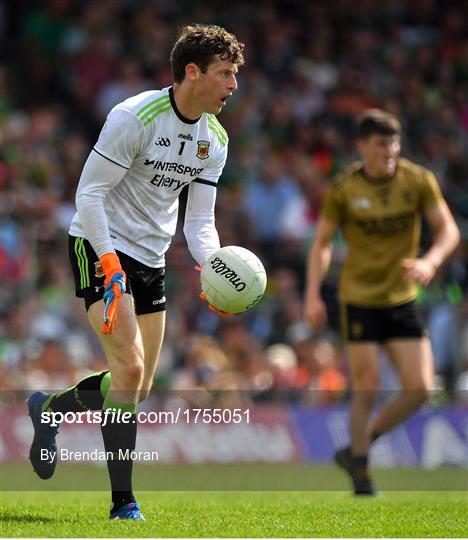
151 146
378 204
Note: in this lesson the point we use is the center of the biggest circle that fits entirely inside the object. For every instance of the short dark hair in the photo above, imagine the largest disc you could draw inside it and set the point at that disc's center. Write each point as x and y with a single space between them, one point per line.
376 121
199 43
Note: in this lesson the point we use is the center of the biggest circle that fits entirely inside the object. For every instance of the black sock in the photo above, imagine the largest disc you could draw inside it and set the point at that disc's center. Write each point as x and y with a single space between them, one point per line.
119 498
119 439
88 394
360 464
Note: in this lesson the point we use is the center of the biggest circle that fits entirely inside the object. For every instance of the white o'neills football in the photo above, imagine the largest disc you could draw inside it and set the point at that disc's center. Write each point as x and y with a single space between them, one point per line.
233 279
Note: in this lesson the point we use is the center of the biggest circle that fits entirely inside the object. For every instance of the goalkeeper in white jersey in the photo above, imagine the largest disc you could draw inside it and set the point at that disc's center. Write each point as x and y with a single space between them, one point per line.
151 146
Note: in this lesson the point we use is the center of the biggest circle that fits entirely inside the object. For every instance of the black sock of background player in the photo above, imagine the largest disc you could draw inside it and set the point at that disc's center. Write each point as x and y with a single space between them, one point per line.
119 439
360 464
88 394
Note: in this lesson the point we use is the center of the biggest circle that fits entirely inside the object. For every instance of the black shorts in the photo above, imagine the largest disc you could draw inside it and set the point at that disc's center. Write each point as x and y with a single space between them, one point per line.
382 324
145 284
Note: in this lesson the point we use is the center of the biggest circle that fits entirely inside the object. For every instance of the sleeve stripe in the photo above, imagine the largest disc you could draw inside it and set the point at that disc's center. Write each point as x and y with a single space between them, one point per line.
205 182
111 160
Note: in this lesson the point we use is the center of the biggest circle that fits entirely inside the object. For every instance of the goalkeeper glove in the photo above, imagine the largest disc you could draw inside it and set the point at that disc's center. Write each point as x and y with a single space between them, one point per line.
114 288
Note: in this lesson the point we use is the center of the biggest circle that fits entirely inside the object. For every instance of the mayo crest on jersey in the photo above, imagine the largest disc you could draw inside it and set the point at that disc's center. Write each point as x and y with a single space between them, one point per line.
163 152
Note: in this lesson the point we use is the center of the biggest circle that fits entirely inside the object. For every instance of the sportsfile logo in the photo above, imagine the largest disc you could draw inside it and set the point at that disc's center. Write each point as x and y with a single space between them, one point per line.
221 268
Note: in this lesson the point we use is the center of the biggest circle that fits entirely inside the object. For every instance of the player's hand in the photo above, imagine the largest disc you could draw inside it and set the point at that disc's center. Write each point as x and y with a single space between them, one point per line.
114 288
202 296
315 312
418 270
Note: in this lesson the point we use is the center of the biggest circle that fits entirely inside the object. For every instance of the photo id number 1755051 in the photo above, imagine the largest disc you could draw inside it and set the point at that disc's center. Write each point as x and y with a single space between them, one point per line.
216 416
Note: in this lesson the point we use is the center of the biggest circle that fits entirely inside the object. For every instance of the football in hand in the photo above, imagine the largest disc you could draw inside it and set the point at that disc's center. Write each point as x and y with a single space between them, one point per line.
233 279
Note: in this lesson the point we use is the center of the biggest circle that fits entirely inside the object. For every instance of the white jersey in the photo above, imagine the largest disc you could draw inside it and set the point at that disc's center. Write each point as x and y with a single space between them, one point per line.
128 195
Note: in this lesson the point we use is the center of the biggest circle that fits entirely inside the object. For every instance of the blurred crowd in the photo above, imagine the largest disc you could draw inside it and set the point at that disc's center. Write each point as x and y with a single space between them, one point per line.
311 67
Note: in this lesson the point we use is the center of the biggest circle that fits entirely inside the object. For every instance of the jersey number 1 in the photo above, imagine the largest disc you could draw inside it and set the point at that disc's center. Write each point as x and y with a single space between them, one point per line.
182 145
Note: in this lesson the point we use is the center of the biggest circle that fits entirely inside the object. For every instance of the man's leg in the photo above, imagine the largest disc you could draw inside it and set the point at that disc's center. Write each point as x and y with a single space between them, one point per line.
124 354
363 359
364 363
151 327
412 359
88 394
123 349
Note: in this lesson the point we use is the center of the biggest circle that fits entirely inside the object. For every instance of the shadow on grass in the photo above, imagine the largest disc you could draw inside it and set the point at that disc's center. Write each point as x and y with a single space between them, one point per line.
10 517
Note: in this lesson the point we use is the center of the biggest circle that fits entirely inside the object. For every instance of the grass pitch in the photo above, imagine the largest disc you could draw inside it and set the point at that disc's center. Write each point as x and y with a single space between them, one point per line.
240 513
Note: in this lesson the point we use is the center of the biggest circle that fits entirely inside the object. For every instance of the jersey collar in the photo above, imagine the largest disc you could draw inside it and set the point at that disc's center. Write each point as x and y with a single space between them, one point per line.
379 181
179 115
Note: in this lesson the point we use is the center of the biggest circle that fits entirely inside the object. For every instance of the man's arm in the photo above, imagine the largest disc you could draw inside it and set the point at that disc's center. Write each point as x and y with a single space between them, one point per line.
318 264
99 176
446 239
199 227
106 166
118 144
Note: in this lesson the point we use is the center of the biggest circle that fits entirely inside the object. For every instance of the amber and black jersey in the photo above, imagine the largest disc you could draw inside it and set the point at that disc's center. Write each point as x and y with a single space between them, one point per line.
381 223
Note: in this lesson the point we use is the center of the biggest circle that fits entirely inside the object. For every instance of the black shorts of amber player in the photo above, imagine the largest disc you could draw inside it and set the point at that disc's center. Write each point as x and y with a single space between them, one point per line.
404 321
